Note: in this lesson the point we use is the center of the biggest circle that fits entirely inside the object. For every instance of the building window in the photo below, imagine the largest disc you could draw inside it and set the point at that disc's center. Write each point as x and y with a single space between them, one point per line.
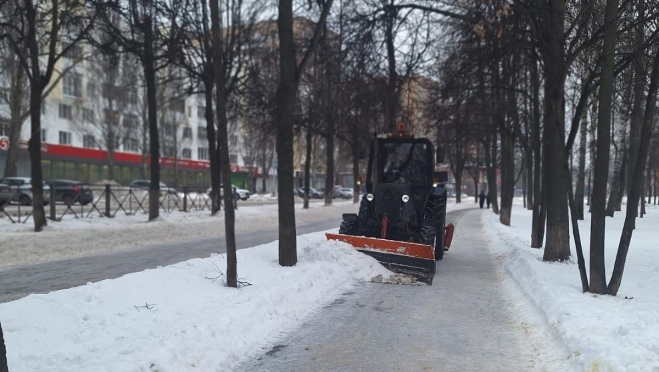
87 141
169 151
202 153
187 132
247 160
178 106
130 123
131 97
131 145
73 52
233 158
233 140
110 117
72 84
88 115
4 130
186 154
92 90
64 137
43 135
169 129
201 112
201 133
189 111
65 112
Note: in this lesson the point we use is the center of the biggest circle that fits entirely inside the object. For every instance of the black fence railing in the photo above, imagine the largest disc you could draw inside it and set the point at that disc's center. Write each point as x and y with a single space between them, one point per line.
105 201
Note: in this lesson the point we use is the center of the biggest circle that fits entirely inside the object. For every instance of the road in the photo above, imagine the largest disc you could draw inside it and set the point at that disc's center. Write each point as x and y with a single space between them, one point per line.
55 275
463 322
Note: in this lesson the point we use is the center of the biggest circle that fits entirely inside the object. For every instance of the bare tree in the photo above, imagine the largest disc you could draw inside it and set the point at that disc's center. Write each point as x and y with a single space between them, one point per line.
289 79
107 118
152 31
41 33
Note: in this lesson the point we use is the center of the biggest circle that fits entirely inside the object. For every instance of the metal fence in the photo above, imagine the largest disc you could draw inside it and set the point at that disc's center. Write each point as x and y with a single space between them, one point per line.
108 201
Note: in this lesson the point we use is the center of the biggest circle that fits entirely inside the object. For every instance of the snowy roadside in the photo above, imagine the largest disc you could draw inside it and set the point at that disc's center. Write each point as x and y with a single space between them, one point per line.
73 237
600 333
86 236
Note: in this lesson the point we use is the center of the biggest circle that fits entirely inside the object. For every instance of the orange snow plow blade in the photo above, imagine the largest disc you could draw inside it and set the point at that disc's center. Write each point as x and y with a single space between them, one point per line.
413 259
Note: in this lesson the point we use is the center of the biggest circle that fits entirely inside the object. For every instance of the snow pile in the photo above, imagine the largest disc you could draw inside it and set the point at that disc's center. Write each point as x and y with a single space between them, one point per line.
178 318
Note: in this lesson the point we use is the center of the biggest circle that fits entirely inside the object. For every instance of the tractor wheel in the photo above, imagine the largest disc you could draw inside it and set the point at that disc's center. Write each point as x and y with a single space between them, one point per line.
349 227
428 233
439 242
441 233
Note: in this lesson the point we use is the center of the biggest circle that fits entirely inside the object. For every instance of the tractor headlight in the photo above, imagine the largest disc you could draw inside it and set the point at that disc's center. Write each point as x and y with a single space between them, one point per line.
369 197
405 198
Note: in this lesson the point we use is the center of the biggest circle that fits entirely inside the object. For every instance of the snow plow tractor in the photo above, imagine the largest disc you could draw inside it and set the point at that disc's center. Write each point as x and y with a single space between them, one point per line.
402 217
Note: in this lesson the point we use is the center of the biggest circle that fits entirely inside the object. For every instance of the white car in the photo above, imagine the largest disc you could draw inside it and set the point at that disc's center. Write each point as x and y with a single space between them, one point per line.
19 190
238 193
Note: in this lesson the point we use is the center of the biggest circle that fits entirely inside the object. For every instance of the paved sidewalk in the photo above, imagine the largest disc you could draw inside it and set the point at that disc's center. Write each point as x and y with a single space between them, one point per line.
466 321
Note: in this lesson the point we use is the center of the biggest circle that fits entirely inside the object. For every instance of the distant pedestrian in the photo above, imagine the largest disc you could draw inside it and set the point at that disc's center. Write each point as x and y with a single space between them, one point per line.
481 199
487 199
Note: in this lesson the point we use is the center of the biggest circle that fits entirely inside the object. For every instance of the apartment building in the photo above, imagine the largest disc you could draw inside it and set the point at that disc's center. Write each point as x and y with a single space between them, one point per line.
93 127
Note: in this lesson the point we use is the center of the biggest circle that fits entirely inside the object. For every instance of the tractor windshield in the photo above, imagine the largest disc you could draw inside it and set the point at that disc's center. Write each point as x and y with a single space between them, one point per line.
405 162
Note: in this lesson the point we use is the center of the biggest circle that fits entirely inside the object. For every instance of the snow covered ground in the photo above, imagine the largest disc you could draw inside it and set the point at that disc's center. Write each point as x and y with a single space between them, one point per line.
183 318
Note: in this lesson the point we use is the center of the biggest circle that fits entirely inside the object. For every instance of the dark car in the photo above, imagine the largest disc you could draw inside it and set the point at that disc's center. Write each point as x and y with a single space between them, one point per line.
144 185
70 192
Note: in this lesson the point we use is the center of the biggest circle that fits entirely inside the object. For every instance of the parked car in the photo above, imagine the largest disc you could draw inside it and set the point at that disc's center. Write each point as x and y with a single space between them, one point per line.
145 184
313 193
19 190
236 195
346 193
244 194
71 192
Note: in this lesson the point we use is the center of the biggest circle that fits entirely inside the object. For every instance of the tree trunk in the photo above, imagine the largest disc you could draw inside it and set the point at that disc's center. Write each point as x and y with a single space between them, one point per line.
154 140
307 168
211 138
537 224
492 171
636 182
557 247
3 353
355 166
392 83
34 148
618 181
577 236
223 144
507 176
17 97
638 67
329 178
581 173
284 118
598 212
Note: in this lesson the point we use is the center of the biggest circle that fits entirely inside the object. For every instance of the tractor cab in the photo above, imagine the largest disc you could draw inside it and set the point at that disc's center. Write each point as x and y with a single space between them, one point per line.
405 203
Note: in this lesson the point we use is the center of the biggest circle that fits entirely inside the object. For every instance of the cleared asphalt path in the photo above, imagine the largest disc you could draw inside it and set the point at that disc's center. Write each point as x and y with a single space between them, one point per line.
50 276
463 322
